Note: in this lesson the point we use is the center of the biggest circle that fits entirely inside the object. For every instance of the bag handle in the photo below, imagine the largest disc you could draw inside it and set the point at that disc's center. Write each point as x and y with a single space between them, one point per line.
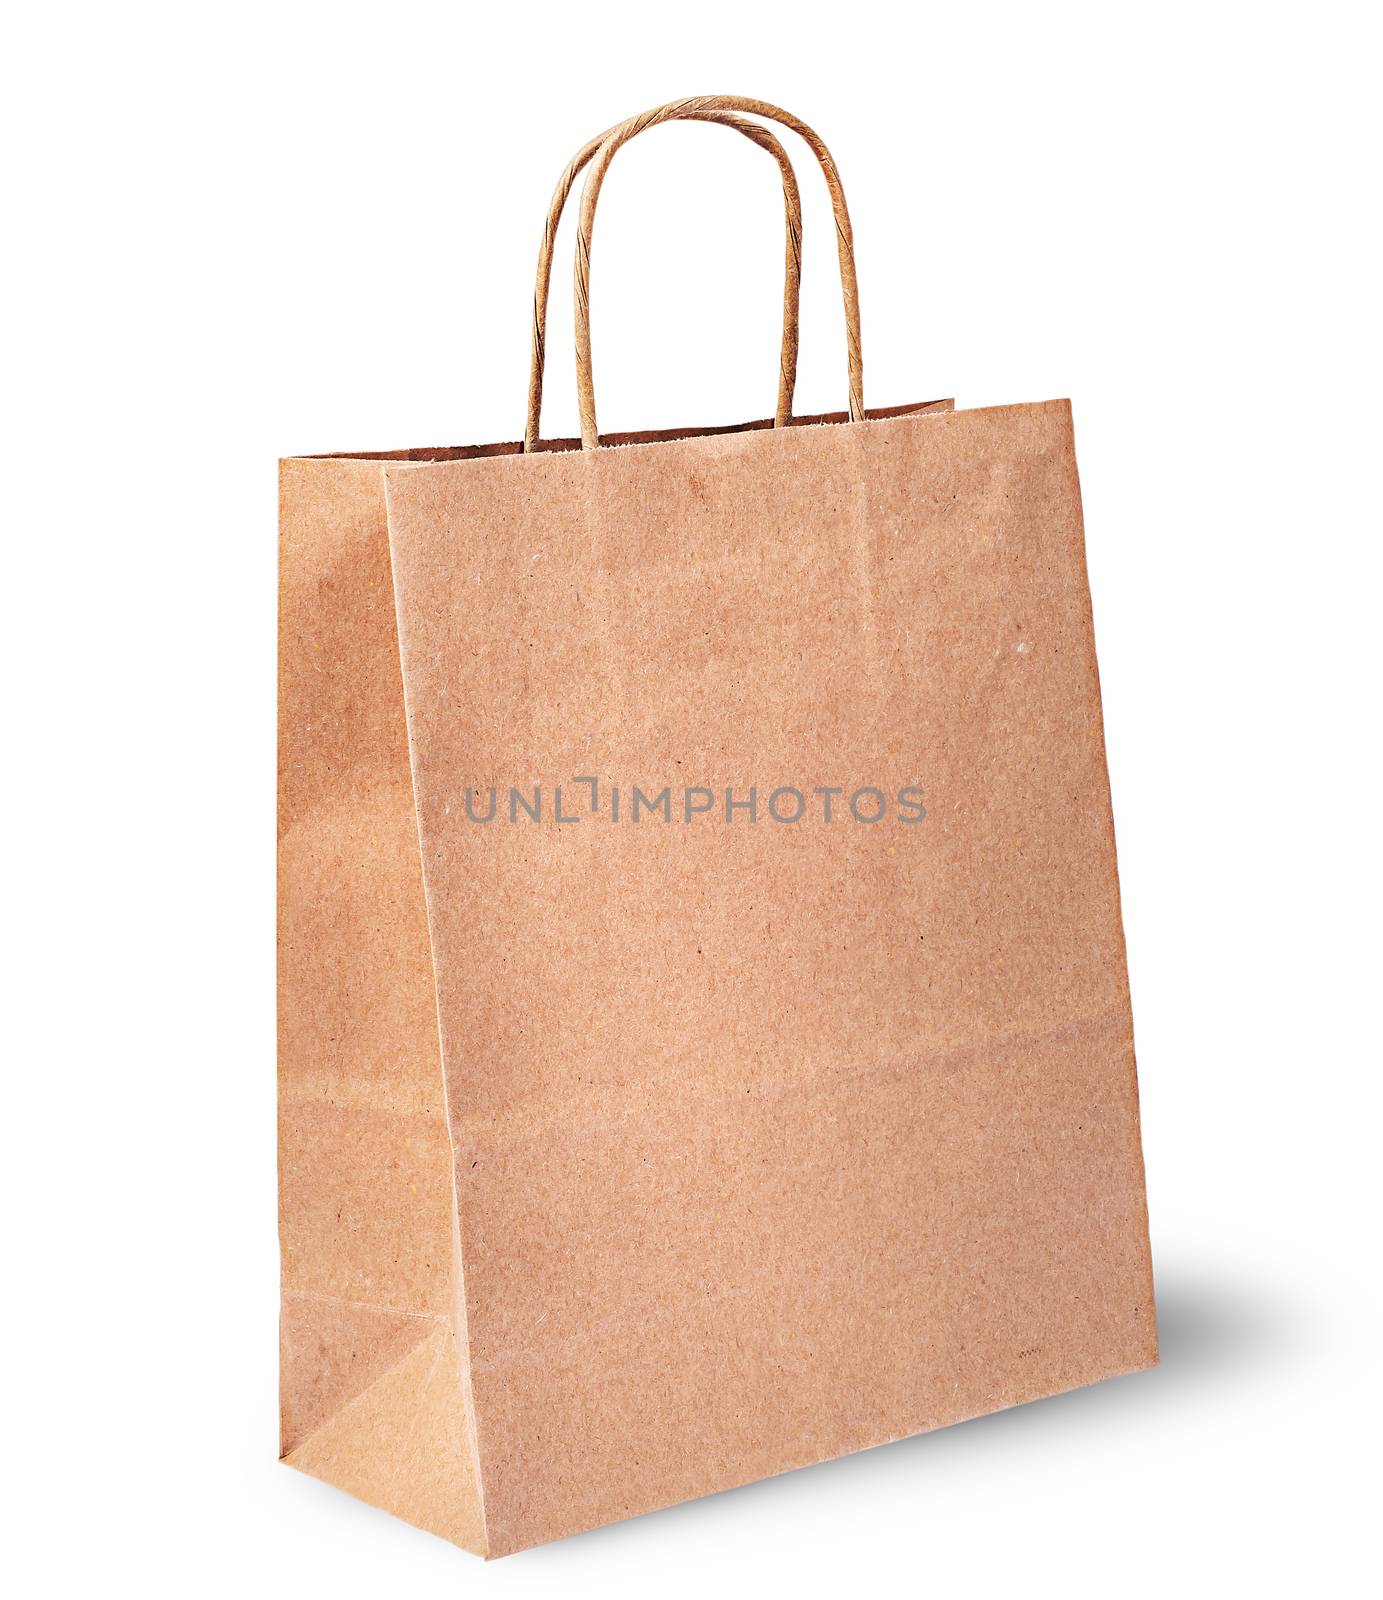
792 278
600 164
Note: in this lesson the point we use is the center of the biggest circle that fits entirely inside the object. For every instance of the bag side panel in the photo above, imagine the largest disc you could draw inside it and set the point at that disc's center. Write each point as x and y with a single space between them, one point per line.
366 1209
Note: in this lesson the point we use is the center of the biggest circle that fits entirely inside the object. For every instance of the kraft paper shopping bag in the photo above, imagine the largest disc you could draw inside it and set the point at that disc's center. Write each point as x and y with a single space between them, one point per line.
706 1044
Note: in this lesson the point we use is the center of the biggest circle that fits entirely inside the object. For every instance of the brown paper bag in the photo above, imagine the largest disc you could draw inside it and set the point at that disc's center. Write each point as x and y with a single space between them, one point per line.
705 1041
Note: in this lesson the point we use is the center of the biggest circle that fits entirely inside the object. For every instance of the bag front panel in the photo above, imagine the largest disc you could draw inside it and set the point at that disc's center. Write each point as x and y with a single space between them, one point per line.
775 1136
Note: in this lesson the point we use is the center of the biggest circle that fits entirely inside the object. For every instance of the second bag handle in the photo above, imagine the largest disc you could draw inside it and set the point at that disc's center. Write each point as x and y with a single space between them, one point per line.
792 274
600 164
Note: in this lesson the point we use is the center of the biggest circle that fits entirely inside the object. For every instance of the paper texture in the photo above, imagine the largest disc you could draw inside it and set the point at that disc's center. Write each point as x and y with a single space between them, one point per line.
632 1154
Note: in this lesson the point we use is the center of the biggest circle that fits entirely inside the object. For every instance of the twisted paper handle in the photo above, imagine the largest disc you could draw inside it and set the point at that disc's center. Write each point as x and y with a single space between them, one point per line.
792 275
600 165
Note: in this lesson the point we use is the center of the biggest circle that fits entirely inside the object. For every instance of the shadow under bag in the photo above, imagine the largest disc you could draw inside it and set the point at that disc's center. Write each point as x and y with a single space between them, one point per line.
705 1035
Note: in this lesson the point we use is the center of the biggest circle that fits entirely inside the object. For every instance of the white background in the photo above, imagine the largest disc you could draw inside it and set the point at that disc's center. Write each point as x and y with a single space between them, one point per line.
246 231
